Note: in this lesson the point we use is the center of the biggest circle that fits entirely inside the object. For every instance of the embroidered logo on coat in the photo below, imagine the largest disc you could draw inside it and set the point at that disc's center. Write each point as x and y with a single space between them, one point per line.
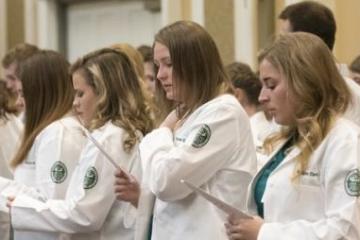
58 172
202 137
91 178
352 183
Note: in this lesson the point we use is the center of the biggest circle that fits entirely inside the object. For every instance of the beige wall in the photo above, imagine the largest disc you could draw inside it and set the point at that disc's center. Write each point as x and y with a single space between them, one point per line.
347 45
11 25
186 10
279 6
219 22
15 22
266 26
3 31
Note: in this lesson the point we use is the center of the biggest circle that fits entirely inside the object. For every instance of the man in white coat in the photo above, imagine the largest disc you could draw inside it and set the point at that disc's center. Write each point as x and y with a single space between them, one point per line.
316 18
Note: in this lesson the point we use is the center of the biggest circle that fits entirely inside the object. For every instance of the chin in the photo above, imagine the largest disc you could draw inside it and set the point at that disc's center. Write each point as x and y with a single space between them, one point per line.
283 122
279 121
169 96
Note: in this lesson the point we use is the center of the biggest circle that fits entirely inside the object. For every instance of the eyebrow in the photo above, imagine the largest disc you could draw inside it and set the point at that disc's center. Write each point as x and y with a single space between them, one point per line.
165 58
268 78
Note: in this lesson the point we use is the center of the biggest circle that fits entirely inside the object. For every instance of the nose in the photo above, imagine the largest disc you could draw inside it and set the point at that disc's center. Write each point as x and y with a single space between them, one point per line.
75 102
20 102
11 85
263 96
161 74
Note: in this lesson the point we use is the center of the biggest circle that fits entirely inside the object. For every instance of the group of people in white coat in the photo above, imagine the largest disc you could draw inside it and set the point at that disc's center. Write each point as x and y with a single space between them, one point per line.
91 164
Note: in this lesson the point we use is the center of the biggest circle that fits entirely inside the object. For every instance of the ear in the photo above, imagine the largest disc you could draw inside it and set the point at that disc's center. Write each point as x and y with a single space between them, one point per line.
241 96
238 93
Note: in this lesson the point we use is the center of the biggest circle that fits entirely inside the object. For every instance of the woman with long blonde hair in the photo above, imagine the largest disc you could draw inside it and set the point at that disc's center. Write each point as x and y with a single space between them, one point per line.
138 64
110 104
310 186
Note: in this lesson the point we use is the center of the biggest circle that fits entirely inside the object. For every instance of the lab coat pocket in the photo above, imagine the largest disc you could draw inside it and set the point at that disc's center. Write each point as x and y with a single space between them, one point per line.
311 198
284 201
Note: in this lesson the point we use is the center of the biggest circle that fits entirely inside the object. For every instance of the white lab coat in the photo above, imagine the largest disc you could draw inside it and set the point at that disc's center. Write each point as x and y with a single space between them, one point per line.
353 111
318 206
222 162
92 213
261 128
60 143
10 131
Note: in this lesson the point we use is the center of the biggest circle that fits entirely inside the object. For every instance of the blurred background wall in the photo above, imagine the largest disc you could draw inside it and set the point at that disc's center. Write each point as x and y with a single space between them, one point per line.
240 27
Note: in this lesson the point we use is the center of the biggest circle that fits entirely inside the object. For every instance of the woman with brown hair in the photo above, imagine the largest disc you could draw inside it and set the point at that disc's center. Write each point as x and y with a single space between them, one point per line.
205 140
51 145
110 104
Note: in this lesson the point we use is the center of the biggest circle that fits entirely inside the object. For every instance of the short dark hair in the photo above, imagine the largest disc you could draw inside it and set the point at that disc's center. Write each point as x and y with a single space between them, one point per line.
244 78
18 54
312 17
7 104
355 65
146 52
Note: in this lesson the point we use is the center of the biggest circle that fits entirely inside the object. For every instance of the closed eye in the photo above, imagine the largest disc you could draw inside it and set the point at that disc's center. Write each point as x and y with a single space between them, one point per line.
269 83
79 93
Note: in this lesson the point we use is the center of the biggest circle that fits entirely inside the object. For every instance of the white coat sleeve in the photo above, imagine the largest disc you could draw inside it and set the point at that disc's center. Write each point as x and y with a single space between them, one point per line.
57 154
129 210
12 188
165 164
48 152
83 210
49 149
43 186
342 211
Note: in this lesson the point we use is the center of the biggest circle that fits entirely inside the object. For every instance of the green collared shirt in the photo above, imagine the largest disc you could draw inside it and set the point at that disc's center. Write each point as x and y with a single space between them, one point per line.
261 182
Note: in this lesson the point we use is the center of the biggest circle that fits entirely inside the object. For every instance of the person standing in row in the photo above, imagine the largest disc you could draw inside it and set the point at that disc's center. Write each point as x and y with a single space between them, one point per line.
11 64
110 104
205 140
50 147
149 75
310 186
247 89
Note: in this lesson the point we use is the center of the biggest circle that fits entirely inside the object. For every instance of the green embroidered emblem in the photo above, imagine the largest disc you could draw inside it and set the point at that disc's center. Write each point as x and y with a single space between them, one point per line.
91 178
352 183
58 172
202 137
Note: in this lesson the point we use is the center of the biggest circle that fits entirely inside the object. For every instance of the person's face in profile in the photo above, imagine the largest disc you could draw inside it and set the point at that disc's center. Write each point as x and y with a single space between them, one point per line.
275 96
162 60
